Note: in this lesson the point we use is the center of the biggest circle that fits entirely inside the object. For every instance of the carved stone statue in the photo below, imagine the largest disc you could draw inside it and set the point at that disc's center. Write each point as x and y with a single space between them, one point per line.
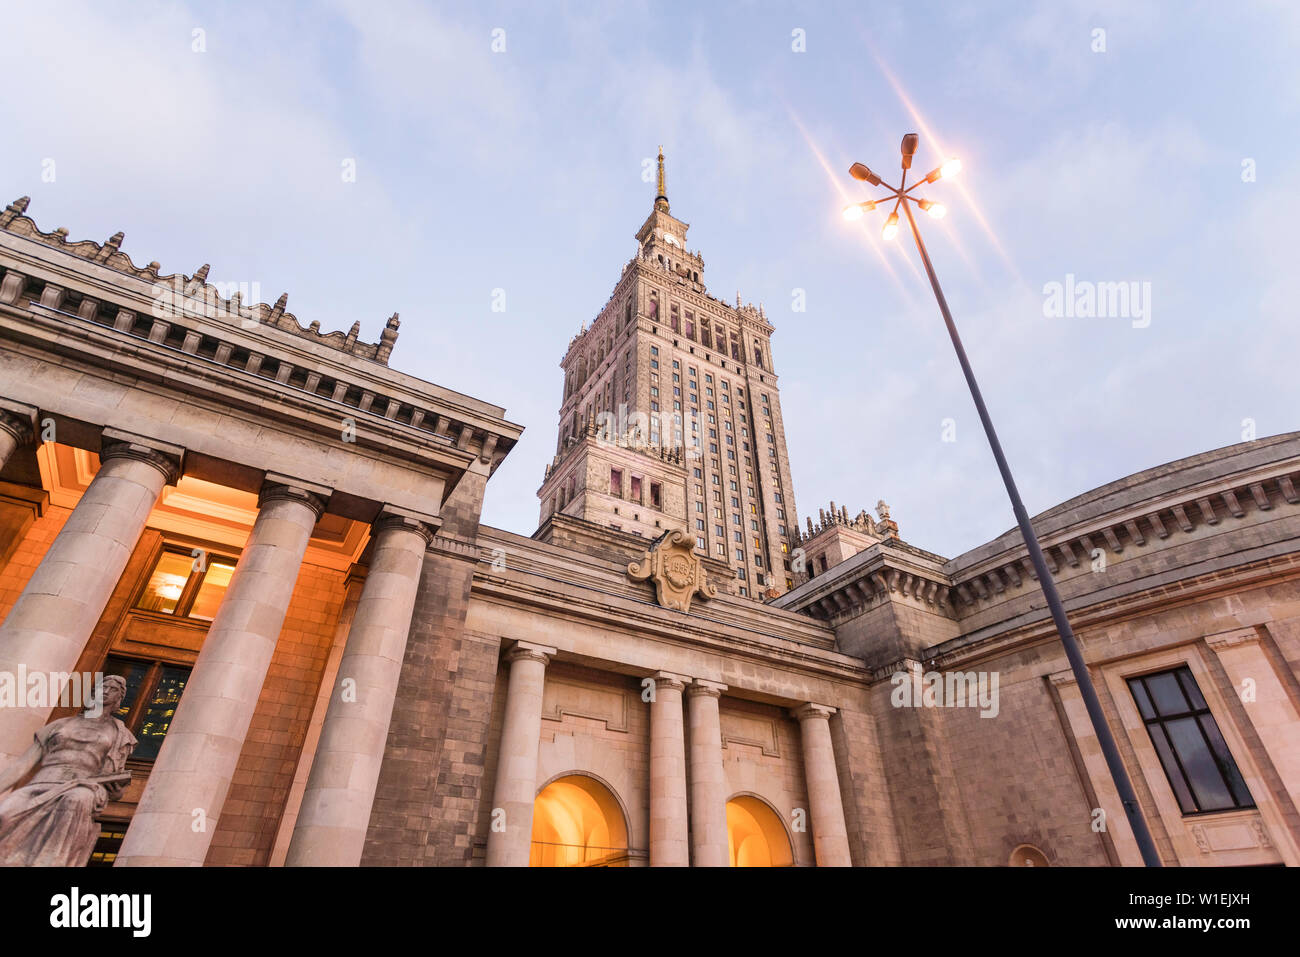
80 764
882 510
677 571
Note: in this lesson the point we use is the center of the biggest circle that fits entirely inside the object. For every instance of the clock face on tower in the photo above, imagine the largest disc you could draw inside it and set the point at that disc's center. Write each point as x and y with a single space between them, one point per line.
671 240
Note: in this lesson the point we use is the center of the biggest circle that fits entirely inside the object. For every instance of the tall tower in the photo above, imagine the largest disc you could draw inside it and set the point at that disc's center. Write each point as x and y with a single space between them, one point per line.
671 416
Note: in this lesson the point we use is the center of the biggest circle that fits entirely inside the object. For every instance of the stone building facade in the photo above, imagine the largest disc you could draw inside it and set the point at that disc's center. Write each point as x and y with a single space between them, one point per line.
275 538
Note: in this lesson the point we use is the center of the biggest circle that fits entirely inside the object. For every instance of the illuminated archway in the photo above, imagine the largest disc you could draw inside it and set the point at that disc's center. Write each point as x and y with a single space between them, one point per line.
755 835
577 822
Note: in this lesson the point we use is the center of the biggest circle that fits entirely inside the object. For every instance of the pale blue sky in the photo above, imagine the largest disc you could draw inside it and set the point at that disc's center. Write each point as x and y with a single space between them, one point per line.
521 170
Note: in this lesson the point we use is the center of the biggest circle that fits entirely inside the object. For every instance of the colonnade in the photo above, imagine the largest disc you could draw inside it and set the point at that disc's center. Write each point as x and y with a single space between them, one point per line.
675 810
51 622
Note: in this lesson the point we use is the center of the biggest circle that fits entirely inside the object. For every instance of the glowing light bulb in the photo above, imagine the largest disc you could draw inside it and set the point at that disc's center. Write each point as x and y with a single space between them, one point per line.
950 168
891 227
853 211
937 210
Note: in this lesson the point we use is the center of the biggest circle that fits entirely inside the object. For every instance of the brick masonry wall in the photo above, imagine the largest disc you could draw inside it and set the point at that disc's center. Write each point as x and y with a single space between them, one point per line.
246 830
30 551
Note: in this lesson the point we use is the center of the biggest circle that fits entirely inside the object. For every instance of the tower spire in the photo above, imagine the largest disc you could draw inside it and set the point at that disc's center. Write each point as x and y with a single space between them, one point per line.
661 198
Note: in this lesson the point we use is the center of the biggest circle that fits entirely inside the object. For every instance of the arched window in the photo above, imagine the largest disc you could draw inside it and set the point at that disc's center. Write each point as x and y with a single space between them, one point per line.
577 822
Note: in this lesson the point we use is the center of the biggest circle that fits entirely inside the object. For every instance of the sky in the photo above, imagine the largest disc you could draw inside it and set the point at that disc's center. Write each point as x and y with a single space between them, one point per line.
503 147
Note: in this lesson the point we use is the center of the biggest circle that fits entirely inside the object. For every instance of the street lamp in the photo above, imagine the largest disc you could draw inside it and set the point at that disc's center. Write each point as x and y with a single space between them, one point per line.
902 197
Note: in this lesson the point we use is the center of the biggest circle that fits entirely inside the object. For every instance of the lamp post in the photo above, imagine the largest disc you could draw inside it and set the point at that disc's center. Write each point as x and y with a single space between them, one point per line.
902 197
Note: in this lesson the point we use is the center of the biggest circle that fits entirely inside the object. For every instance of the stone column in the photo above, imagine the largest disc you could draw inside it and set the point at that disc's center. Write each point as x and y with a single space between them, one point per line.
331 826
830 833
15 431
49 625
510 832
708 783
669 844
181 804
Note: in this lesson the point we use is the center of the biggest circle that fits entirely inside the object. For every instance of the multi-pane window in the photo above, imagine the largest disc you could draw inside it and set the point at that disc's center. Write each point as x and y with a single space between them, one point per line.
186 585
153 689
1196 759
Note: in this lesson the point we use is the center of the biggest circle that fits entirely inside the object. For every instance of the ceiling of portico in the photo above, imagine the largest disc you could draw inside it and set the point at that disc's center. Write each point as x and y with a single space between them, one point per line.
194 509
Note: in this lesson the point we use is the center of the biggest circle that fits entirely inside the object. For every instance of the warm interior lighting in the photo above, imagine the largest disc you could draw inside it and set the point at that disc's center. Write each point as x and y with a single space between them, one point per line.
755 835
891 227
577 822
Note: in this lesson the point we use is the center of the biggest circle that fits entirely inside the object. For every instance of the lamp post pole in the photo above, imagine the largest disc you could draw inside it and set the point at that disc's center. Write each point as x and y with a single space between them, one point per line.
1118 773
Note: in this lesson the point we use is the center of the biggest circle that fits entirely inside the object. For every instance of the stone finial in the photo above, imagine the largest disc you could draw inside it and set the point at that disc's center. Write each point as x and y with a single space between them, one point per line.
353 333
61 234
14 209
882 510
115 240
810 531
387 338
281 304
202 274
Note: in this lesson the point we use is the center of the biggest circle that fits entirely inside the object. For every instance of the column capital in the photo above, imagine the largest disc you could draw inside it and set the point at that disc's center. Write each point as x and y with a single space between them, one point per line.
17 425
531 652
424 525
699 686
666 679
811 710
165 458
277 487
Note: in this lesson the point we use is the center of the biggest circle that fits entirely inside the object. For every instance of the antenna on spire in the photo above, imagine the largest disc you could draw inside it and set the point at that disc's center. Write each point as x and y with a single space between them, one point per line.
661 198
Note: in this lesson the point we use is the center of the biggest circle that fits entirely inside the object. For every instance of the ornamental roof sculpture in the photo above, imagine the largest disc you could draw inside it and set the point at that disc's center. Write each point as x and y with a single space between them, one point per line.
225 298
676 570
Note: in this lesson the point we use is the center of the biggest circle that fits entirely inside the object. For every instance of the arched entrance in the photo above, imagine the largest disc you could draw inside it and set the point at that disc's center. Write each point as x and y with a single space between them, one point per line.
577 822
755 835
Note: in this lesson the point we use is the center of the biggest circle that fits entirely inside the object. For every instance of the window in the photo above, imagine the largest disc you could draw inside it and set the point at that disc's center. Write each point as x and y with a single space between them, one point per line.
153 689
722 550
616 482
654 495
636 488
699 543
699 524
1200 769
186 586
